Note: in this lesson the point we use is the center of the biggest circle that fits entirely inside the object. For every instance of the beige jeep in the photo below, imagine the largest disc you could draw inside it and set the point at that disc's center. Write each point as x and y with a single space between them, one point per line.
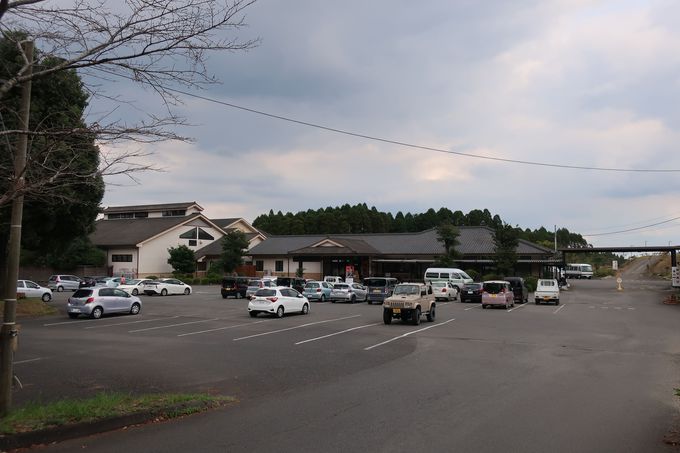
408 302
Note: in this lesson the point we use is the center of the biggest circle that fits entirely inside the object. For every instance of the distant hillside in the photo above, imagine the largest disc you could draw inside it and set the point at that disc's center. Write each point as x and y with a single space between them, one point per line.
362 219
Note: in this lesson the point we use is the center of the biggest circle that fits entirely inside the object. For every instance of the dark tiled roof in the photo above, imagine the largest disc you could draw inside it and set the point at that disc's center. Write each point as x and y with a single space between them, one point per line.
223 223
151 207
215 247
122 232
473 241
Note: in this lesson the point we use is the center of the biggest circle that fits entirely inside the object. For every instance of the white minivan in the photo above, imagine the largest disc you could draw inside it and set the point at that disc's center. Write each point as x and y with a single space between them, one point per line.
457 277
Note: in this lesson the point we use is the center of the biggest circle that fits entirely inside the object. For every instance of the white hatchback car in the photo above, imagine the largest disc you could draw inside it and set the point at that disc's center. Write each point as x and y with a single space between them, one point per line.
134 286
32 289
277 301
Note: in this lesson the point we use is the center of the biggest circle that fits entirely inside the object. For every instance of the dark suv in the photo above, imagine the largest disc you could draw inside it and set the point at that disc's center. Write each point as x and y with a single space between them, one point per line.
296 283
519 289
234 286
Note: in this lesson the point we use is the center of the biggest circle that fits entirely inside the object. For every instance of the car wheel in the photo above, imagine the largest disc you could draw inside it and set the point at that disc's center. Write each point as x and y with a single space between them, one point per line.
557 302
279 311
305 309
253 314
237 295
224 296
387 316
135 292
60 289
483 306
512 304
368 301
415 316
187 291
431 315
46 297
73 315
134 310
97 313
323 298
332 301
164 292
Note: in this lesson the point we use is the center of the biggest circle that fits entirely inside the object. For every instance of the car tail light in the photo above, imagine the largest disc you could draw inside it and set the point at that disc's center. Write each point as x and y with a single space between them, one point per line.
443 290
89 300
318 290
272 299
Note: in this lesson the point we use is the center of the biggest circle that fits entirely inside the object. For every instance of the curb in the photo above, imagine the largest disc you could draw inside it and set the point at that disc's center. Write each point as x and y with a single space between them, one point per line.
73 431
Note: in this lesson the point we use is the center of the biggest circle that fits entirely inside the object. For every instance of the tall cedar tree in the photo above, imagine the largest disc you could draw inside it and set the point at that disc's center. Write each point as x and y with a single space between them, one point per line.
234 246
448 234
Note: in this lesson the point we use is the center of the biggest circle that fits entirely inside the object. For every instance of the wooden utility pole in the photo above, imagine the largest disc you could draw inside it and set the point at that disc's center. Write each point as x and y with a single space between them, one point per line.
9 329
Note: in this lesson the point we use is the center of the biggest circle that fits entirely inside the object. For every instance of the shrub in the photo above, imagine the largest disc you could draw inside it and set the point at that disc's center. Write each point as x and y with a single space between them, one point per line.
214 280
152 277
490 277
604 272
531 283
205 281
473 274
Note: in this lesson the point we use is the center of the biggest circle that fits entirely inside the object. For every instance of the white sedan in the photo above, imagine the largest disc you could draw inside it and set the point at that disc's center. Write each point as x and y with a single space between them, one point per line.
32 289
444 290
277 301
134 286
166 286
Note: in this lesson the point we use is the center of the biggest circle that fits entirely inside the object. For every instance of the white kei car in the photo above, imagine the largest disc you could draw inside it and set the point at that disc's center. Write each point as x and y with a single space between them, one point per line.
166 286
32 289
134 286
277 301
547 290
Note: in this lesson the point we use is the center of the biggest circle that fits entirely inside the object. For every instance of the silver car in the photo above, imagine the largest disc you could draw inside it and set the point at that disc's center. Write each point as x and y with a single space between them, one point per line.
99 300
32 289
254 285
348 292
60 282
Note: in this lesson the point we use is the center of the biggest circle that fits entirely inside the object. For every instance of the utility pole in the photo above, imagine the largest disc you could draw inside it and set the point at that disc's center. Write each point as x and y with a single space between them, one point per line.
555 238
9 329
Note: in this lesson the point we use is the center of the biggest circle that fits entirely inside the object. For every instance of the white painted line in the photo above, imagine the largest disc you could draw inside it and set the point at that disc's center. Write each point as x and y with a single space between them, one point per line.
74 321
27 361
617 308
407 334
223 328
630 308
517 307
336 333
472 308
173 325
557 311
131 322
296 327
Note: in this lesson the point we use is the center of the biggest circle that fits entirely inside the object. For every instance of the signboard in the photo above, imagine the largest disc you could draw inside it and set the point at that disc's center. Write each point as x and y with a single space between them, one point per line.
675 277
349 274
615 265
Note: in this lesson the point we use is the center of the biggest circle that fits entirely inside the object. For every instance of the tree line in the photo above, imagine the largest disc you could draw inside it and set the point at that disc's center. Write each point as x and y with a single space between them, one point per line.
360 219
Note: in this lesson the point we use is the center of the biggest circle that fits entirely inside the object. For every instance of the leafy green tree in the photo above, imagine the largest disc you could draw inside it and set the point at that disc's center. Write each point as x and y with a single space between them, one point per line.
234 246
448 234
60 206
506 240
182 259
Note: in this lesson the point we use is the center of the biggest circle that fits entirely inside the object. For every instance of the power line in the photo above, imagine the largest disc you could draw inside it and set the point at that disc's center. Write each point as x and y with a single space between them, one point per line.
632 229
426 148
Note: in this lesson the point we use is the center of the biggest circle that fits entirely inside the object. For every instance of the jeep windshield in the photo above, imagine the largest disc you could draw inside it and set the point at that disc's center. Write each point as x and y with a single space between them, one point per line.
407 289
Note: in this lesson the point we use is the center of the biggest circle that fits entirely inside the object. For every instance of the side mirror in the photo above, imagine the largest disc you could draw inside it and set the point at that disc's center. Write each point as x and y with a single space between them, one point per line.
299 295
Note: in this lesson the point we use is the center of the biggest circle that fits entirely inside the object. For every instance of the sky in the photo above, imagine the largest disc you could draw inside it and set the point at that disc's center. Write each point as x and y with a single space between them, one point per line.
566 82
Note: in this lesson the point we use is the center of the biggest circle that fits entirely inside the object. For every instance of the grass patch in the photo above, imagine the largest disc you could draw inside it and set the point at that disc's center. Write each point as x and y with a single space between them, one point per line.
32 307
34 416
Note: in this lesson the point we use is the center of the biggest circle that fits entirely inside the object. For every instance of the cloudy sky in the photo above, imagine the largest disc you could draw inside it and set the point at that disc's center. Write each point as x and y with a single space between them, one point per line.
568 82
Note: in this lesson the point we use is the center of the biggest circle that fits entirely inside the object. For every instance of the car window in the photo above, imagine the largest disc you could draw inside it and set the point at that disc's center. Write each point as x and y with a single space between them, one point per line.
455 275
20 284
265 292
325 285
30 284
341 286
444 275
82 293
119 293
312 285
494 287
407 289
106 292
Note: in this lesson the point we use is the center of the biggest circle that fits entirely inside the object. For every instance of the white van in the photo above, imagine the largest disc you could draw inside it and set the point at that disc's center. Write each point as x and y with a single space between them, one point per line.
579 270
457 277
332 279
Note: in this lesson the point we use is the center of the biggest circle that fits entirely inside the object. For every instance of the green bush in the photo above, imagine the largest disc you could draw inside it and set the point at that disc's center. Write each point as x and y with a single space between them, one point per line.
490 277
214 280
473 274
205 281
531 283
152 277
604 272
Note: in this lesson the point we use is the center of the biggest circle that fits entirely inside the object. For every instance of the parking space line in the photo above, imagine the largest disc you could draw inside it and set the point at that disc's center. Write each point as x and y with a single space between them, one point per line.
517 307
407 334
472 308
131 322
223 328
556 311
336 333
73 321
27 361
296 327
173 325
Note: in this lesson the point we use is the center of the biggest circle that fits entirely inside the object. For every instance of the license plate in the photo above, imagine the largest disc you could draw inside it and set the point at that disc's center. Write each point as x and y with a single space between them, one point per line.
469 292
75 310
546 298
396 310
494 295
377 291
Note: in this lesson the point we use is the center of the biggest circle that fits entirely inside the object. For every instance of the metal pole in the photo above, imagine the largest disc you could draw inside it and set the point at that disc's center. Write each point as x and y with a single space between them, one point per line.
555 238
9 330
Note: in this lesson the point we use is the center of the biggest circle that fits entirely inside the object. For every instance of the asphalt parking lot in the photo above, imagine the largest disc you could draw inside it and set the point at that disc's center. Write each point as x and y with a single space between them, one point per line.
595 372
